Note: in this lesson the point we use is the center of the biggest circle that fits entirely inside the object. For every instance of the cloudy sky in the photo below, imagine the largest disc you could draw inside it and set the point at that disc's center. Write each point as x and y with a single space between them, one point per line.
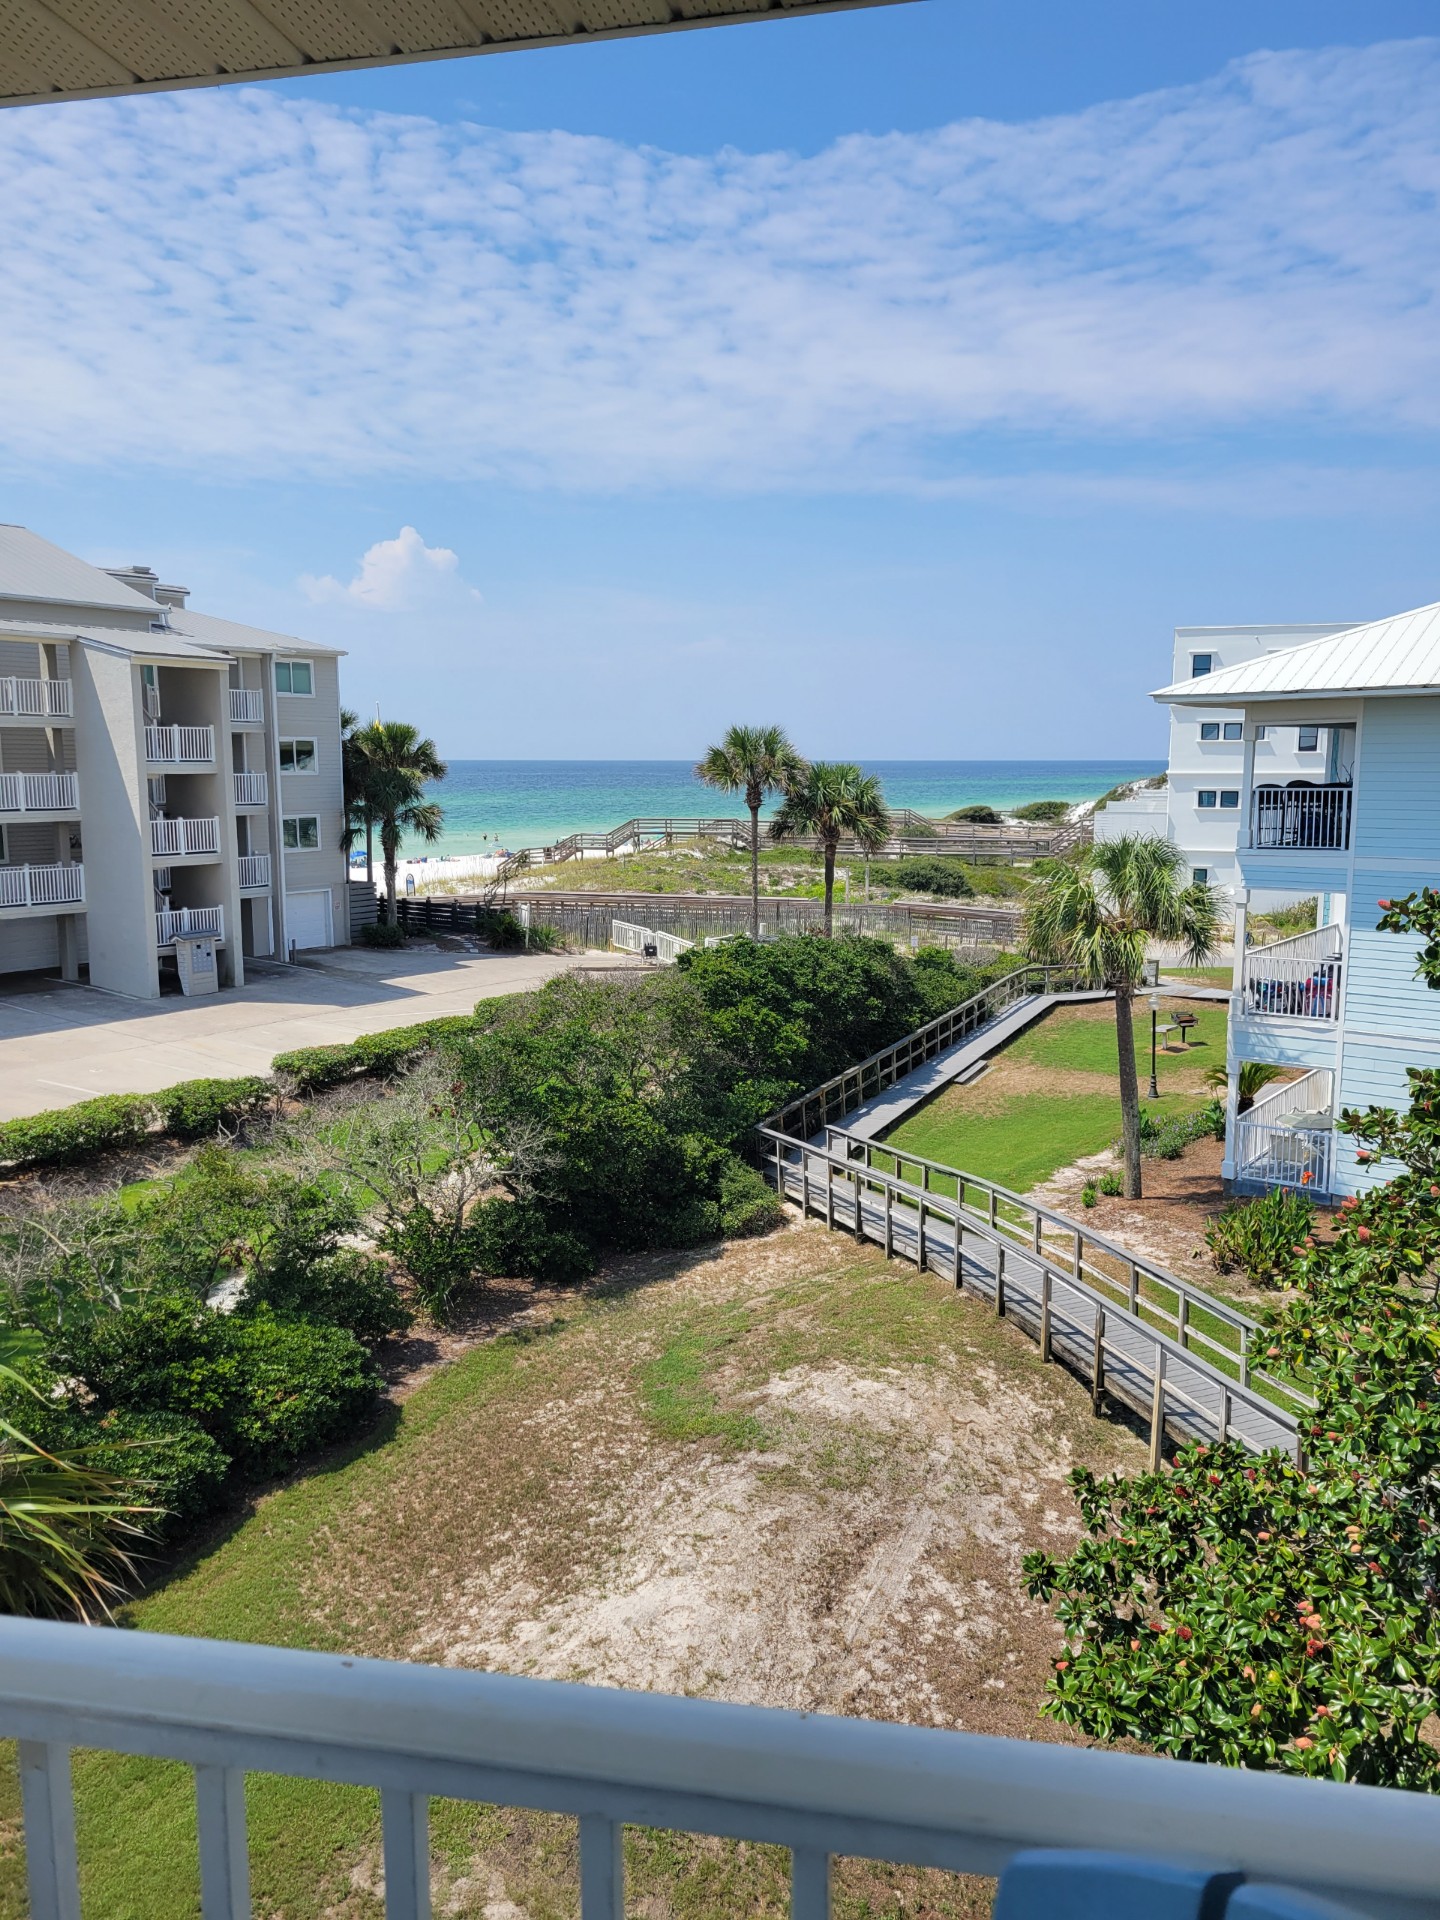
903 376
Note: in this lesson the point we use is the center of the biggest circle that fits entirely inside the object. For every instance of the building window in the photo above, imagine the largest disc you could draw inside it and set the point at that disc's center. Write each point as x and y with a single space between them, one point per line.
1209 729
1205 797
1229 796
1201 876
301 832
297 756
1309 739
1200 664
1234 729
293 676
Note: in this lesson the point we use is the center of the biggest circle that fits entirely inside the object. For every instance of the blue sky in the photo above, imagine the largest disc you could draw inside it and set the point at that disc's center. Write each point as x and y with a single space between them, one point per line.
904 376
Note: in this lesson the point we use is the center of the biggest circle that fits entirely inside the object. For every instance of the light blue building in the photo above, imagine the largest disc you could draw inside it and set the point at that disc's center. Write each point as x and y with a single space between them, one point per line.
1342 1002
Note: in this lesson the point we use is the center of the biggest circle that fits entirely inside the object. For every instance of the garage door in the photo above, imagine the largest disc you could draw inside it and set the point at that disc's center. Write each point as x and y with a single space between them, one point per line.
307 919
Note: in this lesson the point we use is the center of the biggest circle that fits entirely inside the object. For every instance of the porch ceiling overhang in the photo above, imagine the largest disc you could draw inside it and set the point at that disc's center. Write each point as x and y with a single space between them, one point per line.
86 49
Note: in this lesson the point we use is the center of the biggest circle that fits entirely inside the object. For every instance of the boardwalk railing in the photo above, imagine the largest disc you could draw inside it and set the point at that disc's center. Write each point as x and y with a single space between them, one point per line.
817 1784
648 941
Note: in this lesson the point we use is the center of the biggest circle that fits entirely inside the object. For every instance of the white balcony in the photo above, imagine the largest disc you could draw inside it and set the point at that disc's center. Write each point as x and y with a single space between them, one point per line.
1287 1138
1300 816
247 707
816 1784
1296 979
39 793
22 699
254 872
42 887
189 920
251 789
174 839
180 746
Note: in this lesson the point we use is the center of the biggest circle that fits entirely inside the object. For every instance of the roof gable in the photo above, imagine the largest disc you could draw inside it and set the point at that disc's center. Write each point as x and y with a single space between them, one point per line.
1396 655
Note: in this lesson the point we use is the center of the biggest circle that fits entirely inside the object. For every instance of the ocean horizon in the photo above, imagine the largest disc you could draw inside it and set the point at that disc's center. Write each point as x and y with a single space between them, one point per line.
492 804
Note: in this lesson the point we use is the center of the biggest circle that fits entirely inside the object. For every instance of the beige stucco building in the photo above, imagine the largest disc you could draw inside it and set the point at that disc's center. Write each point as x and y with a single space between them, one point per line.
163 772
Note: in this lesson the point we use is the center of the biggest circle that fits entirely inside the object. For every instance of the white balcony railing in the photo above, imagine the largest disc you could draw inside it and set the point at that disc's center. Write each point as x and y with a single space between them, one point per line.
22 699
247 706
1300 816
254 871
189 920
251 789
39 793
1287 1138
1298 979
179 746
173 839
817 1784
42 886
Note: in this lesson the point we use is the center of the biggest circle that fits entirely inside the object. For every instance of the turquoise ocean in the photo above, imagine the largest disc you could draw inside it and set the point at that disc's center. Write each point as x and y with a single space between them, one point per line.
526 803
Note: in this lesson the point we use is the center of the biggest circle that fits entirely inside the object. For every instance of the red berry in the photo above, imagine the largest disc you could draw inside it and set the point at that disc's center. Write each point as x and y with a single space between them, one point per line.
1185 1633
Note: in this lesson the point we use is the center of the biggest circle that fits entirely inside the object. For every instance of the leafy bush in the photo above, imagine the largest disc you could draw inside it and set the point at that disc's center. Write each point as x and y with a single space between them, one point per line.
1045 812
1260 1237
1112 1184
199 1109
380 933
978 816
517 1237
1167 1139
314 1069
1088 1196
439 1254
506 932
265 1390
64 1135
932 873
345 1288
172 1463
748 1203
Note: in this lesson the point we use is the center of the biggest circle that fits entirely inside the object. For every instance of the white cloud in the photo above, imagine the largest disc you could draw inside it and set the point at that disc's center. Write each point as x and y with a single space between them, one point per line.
248 285
397 576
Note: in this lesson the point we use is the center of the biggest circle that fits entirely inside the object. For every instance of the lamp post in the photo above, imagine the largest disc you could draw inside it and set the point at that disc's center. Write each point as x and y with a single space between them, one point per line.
1154 1017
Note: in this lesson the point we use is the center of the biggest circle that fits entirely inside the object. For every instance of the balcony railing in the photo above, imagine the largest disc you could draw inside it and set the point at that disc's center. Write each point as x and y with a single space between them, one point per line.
247 707
817 1784
1287 1139
173 839
1300 816
189 920
251 789
179 746
39 793
254 871
1298 979
42 886
35 699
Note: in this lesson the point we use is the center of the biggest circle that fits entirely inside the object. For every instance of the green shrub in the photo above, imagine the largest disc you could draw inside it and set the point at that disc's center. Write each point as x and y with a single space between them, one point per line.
175 1465
977 816
1167 1139
748 1203
346 1288
64 1135
517 1239
314 1069
1045 812
1088 1196
199 1109
304 1387
380 933
932 873
1260 1237
1111 1184
438 1254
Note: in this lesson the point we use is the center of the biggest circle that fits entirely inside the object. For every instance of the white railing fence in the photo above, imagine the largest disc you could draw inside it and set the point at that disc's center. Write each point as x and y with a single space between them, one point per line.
648 941
817 1784
171 839
254 870
26 699
250 789
39 793
1300 816
1287 1139
247 706
189 920
179 746
1297 978
47 886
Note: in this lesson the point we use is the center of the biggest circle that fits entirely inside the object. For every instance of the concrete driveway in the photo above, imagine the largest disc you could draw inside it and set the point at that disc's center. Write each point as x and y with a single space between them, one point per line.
60 1044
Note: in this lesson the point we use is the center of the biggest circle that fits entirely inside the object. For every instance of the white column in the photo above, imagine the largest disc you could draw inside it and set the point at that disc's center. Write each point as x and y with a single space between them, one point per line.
1237 988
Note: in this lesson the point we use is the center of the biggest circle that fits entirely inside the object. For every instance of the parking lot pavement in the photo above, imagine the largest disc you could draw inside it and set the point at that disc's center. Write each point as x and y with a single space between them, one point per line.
59 1044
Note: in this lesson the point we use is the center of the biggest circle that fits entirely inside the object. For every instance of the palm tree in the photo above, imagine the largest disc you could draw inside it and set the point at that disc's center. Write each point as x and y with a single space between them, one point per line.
1253 1075
398 765
834 800
1097 913
754 761
354 778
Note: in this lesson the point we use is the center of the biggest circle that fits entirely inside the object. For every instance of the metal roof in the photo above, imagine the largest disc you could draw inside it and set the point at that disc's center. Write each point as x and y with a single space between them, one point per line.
234 636
135 641
33 569
1400 654
77 49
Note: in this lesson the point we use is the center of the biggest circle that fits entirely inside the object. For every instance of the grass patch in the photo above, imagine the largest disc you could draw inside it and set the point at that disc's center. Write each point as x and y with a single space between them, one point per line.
676 1392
